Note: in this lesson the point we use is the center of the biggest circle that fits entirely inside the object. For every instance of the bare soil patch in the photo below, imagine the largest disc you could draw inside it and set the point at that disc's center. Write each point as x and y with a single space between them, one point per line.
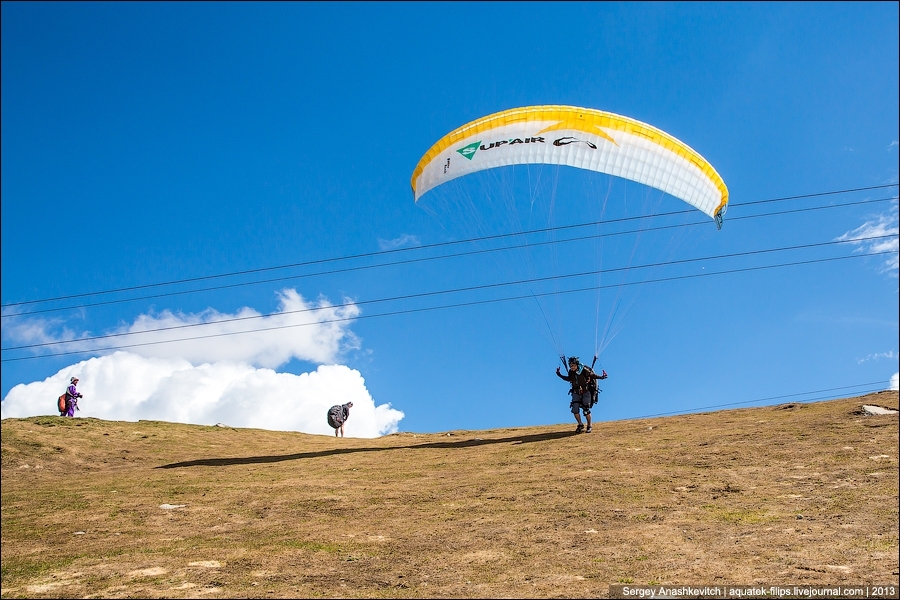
797 494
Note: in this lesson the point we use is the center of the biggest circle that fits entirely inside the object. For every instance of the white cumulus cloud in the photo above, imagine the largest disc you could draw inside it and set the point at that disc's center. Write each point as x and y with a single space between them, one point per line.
311 331
404 241
220 369
895 381
124 386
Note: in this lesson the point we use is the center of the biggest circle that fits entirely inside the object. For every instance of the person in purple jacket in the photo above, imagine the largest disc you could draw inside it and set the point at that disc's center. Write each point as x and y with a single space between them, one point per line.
72 396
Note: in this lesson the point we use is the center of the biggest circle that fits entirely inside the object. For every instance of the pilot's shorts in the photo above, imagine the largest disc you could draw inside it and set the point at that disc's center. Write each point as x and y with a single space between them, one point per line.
581 401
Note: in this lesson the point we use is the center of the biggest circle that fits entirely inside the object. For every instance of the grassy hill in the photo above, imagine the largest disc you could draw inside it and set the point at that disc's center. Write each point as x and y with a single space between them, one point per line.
794 494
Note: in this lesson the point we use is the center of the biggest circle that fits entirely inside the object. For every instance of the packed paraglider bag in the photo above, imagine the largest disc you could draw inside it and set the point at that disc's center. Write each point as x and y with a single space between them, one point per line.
335 416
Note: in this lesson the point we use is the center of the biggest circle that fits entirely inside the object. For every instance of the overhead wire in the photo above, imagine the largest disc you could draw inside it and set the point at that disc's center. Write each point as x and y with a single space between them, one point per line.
421 309
452 255
533 295
419 248
460 290
770 398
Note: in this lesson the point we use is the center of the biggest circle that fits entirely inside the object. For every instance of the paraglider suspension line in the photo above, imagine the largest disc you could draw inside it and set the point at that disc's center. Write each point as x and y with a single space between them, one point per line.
547 322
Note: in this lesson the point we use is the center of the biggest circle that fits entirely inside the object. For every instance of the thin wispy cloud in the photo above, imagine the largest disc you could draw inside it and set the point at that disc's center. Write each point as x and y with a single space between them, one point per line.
26 331
877 356
404 241
870 237
893 145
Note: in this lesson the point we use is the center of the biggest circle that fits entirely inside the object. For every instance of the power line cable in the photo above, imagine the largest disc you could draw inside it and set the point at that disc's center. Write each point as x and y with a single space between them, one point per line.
441 257
831 396
417 248
457 290
457 305
819 194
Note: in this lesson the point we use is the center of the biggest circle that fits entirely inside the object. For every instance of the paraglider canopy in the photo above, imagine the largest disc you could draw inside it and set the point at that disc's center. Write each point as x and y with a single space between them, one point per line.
578 137
489 180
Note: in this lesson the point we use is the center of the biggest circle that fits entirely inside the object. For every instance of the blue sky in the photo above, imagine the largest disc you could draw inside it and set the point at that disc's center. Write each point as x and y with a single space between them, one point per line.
150 143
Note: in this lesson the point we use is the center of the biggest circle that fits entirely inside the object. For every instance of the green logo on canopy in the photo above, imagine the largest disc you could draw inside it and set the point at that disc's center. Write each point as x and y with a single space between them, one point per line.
470 150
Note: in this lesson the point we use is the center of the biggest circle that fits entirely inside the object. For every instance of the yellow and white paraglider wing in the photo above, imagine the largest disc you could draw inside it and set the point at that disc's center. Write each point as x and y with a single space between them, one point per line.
578 137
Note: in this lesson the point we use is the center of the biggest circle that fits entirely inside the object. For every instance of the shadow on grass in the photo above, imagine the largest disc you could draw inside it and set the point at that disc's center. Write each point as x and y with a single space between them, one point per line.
252 460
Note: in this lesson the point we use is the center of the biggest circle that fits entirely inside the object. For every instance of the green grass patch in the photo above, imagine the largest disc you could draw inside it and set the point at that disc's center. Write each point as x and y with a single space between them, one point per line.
882 544
743 517
16 568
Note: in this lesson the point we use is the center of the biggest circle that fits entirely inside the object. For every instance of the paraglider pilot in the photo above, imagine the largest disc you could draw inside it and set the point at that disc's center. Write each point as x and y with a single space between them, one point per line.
337 415
584 390
72 396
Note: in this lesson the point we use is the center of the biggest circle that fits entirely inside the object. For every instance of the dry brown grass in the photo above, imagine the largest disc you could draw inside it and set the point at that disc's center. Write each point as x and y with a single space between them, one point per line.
797 494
